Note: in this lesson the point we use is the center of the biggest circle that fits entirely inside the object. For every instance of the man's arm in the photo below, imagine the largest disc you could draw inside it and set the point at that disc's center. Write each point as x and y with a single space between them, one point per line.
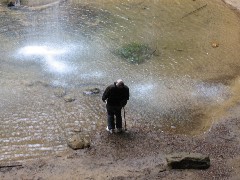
126 97
105 94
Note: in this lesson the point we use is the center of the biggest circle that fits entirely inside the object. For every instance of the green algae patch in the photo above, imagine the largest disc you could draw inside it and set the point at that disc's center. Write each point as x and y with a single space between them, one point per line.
135 53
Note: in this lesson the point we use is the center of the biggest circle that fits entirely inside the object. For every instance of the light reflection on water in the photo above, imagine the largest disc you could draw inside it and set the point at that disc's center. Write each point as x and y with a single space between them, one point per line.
163 97
71 48
48 56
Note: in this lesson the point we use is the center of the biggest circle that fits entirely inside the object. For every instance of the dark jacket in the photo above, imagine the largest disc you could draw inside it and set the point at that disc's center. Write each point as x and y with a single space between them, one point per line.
116 96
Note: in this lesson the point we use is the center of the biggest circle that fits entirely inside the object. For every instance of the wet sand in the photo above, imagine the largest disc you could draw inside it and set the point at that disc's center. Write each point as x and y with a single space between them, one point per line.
140 153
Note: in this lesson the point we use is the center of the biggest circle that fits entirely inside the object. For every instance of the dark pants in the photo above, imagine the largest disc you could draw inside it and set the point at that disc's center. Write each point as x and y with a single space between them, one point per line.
111 112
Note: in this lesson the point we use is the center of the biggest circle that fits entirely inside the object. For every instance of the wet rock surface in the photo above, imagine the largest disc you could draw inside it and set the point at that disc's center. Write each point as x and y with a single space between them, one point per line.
78 141
188 161
92 91
69 98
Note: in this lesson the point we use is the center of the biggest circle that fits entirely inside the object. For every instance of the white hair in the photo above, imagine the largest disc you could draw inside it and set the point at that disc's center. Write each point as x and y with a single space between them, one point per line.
119 82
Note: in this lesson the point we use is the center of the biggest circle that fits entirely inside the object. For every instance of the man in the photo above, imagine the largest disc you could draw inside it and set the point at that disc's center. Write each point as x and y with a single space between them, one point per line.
115 96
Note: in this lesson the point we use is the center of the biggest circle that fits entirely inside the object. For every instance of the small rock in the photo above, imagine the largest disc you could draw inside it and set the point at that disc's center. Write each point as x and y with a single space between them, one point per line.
77 130
86 140
91 91
69 98
79 142
188 161
59 92
215 44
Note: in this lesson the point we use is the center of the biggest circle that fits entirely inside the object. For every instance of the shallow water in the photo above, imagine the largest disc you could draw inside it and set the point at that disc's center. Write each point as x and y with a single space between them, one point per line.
70 47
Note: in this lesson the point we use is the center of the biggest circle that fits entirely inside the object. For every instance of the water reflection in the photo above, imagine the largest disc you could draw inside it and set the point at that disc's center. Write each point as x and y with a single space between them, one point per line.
48 57
70 47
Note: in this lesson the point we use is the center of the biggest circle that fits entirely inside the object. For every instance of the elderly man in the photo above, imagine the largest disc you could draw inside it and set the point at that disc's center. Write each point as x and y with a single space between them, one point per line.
116 97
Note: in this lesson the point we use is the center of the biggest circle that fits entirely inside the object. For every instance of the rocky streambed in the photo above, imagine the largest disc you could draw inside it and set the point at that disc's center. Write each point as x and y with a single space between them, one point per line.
140 153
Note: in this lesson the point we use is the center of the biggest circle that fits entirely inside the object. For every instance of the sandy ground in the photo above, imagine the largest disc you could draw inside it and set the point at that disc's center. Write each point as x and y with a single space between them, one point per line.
140 153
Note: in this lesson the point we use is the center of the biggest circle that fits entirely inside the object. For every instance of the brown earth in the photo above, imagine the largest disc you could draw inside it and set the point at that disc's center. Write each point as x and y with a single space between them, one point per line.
140 153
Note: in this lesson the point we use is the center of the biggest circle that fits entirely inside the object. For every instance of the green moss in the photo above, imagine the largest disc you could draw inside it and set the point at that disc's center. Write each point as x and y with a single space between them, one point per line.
134 52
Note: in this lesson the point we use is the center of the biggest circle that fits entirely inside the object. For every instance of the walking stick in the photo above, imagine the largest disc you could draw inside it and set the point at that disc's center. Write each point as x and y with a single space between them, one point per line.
124 115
